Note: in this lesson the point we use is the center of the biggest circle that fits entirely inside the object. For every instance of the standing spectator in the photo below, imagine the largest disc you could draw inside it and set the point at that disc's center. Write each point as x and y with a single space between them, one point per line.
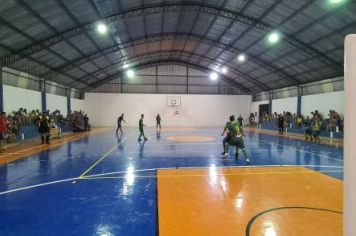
240 119
308 129
86 123
158 121
280 124
44 128
3 130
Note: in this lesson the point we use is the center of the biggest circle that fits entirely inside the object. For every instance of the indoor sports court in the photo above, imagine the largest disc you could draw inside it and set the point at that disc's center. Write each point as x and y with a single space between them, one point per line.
224 117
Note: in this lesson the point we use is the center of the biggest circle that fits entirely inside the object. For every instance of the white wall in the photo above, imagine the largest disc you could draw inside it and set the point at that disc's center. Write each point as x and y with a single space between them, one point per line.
196 110
55 102
77 104
350 137
255 106
323 103
285 104
15 98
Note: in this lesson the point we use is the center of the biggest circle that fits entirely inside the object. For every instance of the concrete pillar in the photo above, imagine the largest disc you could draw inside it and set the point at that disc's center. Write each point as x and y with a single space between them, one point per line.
270 97
350 137
299 101
43 96
69 104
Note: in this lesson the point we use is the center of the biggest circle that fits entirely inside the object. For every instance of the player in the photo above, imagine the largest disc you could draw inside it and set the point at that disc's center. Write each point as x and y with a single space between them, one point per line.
227 138
158 121
236 133
140 126
316 128
120 119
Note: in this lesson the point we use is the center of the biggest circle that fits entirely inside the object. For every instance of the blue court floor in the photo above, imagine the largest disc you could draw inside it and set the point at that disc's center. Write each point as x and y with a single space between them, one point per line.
41 195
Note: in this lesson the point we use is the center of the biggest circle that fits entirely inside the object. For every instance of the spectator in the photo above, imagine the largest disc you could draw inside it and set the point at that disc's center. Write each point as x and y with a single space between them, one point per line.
86 123
44 128
240 119
3 130
280 124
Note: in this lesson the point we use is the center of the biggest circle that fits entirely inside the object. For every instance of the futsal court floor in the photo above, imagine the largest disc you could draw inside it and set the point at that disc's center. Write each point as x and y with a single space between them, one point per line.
176 183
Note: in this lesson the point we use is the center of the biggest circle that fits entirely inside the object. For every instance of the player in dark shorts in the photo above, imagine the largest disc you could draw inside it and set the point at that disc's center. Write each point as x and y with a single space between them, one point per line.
140 127
119 126
44 129
236 133
316 128
158 121
308 129
227 138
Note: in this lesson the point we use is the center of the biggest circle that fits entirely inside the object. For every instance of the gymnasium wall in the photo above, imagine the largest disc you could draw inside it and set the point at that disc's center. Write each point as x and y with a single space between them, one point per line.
55 102
196 110
285 104
323 103
77 104
256 105
15 98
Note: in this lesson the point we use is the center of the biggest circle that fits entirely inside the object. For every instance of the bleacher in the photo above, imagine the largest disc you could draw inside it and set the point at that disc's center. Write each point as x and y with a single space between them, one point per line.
28 132
272 125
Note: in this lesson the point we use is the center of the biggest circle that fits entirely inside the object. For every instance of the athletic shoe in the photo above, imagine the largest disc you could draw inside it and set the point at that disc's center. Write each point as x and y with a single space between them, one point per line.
248 161
146 139
224 154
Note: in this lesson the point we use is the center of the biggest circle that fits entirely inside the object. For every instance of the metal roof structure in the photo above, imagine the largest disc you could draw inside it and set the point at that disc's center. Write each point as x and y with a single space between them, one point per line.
58 40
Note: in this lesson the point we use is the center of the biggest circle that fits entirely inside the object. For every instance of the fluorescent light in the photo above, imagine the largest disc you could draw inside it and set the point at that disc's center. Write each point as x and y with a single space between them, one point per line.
274 37
224 70
125 66
130 73
336 1
213 76
102 28
241 58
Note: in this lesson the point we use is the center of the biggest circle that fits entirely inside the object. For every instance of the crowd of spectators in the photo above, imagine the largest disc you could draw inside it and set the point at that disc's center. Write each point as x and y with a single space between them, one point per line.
17 119
333 122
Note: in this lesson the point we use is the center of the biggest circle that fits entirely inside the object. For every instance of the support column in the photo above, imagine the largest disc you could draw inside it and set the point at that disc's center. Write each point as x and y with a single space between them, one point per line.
69 104
187 80
270 97
350 136
156 79
43 96
299 101
1 93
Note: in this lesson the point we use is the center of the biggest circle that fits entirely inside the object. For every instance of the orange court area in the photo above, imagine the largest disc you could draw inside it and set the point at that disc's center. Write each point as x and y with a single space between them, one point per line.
249 201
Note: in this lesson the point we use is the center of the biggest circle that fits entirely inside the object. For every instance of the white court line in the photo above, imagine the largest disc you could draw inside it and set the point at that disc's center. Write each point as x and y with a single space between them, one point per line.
320 155
103 157
166 168
42 146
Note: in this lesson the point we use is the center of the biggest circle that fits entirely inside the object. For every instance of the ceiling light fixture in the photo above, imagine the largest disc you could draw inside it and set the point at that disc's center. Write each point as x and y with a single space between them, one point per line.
213 76
102 29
